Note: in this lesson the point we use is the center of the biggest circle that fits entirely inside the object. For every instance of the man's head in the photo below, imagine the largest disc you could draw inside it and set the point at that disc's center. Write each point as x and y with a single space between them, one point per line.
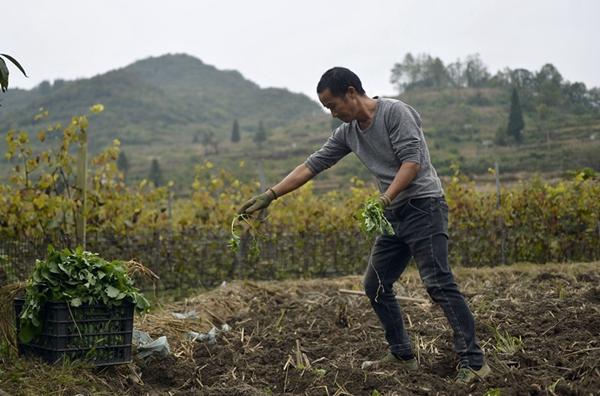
340 90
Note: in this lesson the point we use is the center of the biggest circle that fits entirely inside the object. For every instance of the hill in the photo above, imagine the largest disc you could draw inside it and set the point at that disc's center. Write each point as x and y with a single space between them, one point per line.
167 99
180 111
460 126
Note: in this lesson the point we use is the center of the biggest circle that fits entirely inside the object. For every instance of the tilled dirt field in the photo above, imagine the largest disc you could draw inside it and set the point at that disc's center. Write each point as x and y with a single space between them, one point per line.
539 327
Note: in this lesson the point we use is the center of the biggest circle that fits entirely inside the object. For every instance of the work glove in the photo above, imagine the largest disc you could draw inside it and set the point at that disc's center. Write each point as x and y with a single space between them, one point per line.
258 202
384 201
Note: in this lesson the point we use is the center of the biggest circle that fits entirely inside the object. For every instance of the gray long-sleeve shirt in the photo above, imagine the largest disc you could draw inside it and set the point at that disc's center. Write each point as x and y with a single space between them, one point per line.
394 136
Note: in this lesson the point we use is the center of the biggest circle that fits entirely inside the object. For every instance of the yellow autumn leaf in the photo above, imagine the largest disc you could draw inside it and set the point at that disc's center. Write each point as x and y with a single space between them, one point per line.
97 108
40 201
23 138
46 181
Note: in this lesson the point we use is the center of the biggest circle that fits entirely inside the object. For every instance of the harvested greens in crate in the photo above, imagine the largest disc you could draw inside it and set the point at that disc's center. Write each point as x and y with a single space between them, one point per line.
78 306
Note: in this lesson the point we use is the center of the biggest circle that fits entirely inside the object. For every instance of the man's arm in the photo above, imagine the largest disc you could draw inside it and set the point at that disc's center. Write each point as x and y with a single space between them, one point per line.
331 152
405 175
293 180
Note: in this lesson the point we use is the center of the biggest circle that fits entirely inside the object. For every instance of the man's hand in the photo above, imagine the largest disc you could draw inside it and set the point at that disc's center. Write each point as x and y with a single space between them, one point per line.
256 203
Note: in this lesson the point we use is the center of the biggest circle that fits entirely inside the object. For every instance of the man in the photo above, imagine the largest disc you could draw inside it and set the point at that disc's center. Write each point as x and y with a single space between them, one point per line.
386 135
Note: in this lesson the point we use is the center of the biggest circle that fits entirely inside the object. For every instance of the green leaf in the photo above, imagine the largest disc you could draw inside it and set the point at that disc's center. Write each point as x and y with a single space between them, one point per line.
15 62
27 332
53 267
64 268
76 302
111 291
3 75
140 302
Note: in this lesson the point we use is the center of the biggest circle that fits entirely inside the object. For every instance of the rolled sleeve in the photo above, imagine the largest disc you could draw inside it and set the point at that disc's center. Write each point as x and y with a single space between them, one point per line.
329 154
405 134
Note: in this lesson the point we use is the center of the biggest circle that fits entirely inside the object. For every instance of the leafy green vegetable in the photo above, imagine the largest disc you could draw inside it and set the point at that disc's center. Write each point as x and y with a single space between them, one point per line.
373 222
235 240
77 277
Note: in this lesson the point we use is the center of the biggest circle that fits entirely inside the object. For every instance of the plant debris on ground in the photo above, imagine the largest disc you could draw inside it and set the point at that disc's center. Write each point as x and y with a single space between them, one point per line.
538 324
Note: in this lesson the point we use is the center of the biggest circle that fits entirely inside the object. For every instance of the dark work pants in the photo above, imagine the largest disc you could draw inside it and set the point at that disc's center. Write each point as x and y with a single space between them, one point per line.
421 228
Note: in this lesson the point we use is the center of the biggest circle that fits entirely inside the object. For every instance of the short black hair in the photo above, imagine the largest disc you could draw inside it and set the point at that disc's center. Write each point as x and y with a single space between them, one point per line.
338 79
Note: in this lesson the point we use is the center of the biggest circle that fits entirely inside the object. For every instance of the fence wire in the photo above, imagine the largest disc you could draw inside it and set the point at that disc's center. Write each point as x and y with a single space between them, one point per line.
203 259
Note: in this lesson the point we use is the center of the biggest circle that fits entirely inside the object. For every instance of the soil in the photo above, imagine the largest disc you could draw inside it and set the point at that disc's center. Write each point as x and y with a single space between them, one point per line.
307 338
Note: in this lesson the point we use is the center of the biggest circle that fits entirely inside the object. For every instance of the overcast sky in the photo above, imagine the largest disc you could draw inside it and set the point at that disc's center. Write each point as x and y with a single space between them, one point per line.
291 43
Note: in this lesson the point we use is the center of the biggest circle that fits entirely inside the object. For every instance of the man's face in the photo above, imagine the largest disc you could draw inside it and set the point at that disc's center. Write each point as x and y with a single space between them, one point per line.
342 107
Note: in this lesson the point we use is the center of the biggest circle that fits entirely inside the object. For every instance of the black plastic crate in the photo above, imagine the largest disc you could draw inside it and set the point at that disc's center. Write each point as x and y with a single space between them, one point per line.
97 334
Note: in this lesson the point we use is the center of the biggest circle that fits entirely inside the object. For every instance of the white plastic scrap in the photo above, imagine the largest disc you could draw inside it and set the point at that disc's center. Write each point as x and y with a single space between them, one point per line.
185 315
210 337
146 346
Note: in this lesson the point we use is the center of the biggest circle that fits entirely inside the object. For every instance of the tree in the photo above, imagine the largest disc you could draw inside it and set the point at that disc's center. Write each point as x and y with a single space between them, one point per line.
476 72
438 74
542 113
155 175
593 99
422 71
58 83
123 164
45 87
515 118
4 70
261 135
405 73
548 81
523 79
456 73
209 140
235 132
576 96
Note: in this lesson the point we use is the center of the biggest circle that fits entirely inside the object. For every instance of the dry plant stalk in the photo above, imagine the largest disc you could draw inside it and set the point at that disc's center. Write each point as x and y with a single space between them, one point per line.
7 314
361 293
135 267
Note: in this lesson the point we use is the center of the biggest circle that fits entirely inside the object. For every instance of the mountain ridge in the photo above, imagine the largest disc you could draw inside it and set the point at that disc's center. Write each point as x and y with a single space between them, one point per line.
175 92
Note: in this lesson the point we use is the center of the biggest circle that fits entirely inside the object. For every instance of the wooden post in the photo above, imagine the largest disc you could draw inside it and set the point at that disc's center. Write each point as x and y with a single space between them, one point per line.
82 186
497 174
170 209
500 221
